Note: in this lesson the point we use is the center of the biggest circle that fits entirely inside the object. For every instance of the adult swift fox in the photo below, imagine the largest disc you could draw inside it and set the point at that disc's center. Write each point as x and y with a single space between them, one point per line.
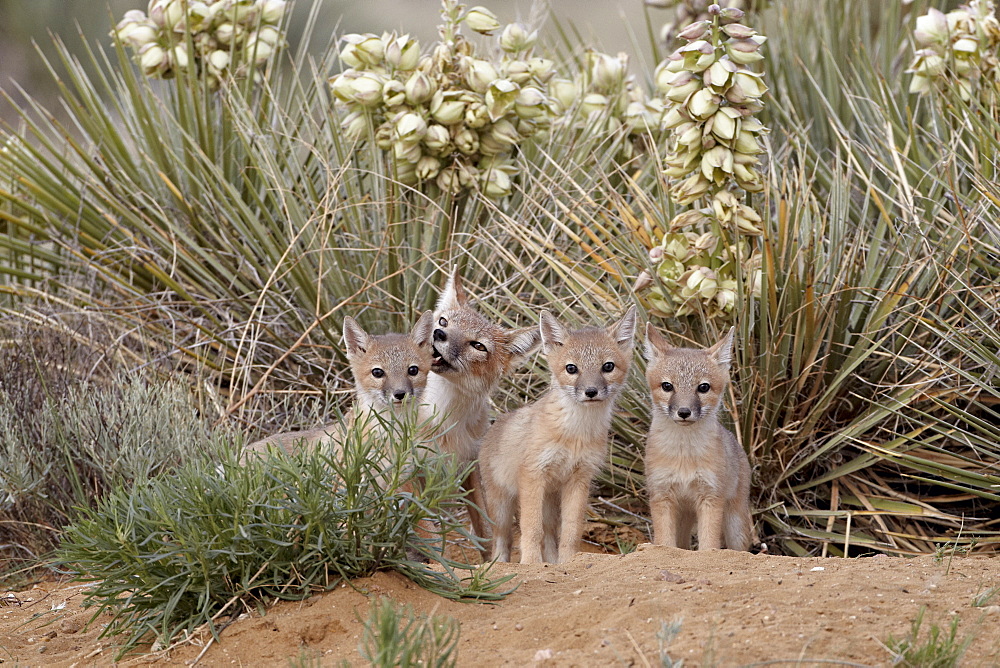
390 372
470 356
540 459
695 469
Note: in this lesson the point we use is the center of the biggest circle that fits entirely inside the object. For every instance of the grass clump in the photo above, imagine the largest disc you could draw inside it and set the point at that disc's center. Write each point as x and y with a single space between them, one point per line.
938 649
177 552
395 635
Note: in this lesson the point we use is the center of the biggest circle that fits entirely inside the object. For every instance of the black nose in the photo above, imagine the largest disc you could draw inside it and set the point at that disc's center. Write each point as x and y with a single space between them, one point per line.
684 413
440 335
591 392
399 395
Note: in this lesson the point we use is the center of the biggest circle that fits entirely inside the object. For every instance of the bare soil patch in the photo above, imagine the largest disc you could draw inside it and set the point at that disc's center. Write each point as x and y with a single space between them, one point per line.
736 608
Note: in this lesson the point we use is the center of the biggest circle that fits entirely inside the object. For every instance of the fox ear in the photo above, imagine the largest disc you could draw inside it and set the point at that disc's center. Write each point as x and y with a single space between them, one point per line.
552 333
655 343
355 338
722 352
421 332
522 342
453 294
623 331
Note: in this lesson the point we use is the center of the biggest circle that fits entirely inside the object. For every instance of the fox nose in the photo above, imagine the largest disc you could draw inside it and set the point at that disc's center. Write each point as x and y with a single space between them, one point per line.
684 413
440 335
399 395
591 392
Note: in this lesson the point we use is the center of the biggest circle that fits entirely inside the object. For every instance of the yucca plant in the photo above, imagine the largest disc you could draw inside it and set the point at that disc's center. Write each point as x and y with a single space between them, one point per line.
236 226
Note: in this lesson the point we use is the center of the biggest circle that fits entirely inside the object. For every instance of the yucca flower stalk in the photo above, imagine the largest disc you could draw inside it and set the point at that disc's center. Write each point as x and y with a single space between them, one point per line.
712 96
215 37
450 118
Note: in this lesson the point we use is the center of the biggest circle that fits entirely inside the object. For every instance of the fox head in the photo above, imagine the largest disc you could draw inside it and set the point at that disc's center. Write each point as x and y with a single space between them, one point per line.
687 383
470 350
589 364
389 368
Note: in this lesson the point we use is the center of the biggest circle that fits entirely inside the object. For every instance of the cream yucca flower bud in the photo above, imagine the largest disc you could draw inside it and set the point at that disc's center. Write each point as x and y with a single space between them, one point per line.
466 141
703 104
418 88
564 92
504 132
518 71
500 98
495 183
410 127
371 50
448 180
542 69
607 73
152 58
446 109
428 168
366 89
481 20
479 74
218 61
272 11
393 93
530 103
437 139
354 125
516 38
593 103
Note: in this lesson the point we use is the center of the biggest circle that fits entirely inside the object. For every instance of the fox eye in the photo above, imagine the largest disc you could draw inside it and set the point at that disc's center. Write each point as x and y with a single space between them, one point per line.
443 321
704 387
377 372
478 346
667 387
571 369
608 367
413 370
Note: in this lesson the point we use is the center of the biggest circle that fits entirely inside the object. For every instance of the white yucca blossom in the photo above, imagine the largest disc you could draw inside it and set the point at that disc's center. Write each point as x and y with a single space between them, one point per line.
230 37
453 117
958 50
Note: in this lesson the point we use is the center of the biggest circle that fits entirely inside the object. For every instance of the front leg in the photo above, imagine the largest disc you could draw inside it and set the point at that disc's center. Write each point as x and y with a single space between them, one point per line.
475 507
710 524
665 513
574 506
531 489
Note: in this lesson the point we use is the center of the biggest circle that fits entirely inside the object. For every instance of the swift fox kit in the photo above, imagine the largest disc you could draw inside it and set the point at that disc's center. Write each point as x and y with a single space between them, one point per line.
695 469
470 356
540 459
389 370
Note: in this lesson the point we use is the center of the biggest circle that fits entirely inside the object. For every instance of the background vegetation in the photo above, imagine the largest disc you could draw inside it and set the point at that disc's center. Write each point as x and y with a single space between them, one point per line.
216 240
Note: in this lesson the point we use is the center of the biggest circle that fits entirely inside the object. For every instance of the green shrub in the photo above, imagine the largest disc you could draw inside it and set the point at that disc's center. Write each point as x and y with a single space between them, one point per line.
213 539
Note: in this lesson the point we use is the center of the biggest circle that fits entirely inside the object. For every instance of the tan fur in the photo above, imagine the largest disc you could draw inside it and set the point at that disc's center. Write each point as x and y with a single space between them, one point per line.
541 459
471 355
696 472
384 384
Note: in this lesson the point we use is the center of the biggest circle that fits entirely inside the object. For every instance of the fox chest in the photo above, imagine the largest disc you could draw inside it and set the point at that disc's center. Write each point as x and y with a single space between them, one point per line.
681 474
559 461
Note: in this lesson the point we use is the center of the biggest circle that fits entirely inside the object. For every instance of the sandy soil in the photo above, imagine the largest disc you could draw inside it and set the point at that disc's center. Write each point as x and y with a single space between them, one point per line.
599 609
